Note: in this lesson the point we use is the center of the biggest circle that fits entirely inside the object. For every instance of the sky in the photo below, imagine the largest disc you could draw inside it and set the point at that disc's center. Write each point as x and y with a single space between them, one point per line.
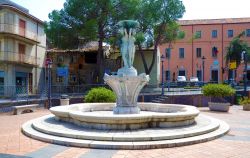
195 9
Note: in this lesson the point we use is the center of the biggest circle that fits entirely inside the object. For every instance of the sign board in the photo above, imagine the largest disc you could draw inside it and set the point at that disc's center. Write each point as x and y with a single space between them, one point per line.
62 71
232 65
216 62
48 61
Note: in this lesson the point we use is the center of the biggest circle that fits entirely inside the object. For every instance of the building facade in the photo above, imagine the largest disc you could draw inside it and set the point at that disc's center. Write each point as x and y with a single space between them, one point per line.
22 50
208 38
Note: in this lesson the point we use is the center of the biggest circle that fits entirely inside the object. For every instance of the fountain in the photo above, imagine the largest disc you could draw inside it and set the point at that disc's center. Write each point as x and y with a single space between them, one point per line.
125 124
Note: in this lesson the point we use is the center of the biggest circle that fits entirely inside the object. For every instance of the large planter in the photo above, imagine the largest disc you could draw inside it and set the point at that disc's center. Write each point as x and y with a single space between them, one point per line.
223 107
246 107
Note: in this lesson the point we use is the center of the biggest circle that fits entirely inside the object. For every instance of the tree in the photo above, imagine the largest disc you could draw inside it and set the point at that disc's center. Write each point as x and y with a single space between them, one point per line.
89 20
235 49
157 24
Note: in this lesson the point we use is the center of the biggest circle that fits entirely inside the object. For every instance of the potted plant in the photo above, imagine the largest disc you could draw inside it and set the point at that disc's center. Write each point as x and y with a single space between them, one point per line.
217 94
245 101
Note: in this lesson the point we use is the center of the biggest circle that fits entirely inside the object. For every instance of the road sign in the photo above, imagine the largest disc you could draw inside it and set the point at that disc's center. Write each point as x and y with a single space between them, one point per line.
48 61
62 71
232 65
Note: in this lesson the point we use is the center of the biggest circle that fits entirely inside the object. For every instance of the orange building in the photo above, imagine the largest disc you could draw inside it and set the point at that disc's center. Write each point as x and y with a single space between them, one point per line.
184 58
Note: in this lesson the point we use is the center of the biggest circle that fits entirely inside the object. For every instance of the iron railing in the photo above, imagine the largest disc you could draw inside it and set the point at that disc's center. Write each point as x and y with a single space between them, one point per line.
18 58
15 91
15 29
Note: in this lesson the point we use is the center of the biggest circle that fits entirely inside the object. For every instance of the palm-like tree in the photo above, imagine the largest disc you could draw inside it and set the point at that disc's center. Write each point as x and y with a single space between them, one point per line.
235 48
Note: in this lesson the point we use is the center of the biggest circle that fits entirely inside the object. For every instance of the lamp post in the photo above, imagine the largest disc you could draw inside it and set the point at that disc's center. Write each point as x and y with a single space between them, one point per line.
244 54
49 84
203 69
162 74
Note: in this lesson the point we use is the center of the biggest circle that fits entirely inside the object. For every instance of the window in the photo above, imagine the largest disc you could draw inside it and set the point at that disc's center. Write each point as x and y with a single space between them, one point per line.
198 74
230 33
60 58
168 75
168 52
22 27
214 52
198 34
248 32
214 33
181 53
182 73
73 59
198 52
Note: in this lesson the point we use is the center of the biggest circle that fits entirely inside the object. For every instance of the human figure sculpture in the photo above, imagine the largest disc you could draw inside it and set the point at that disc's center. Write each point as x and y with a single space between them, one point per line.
127 47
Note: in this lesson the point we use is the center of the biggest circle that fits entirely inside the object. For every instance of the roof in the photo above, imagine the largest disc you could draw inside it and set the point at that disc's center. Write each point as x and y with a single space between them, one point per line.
214 21
11 5
87 47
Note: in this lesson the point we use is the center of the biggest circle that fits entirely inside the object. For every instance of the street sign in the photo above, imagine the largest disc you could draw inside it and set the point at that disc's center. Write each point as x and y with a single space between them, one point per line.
48 61
62 71
216 62
232 65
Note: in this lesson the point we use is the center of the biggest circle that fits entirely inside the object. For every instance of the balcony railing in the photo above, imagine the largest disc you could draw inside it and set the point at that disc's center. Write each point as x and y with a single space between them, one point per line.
8 56
14 29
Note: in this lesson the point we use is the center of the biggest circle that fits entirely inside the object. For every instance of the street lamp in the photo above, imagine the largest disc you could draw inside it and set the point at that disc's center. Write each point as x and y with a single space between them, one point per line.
244 55
203 68
162 74
49 83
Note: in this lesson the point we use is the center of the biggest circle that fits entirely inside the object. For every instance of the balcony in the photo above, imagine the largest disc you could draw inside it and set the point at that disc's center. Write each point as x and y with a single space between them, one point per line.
19 33
12 57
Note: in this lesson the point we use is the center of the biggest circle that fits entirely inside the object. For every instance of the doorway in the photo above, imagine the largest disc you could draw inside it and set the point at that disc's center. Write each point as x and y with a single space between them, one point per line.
21 83
214 76
21 52
22 26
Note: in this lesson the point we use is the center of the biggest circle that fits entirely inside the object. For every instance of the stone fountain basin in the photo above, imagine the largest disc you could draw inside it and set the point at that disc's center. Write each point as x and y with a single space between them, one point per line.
100 115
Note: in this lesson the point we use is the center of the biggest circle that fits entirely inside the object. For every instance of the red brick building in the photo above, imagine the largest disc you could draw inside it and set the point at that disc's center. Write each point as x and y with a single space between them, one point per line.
212 39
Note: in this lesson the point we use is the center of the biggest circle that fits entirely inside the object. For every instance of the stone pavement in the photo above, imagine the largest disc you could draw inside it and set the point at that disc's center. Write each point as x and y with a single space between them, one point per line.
236 144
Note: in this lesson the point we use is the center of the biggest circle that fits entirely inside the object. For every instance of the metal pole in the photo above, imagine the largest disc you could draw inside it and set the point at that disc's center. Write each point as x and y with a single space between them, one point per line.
245 74
49 85
162 78
203 70
168 75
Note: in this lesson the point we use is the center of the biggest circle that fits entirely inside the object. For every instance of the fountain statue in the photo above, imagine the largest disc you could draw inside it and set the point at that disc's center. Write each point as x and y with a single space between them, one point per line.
126 84
125 124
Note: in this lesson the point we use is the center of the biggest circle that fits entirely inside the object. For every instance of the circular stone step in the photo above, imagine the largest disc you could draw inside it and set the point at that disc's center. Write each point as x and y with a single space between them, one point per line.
49 125
29 129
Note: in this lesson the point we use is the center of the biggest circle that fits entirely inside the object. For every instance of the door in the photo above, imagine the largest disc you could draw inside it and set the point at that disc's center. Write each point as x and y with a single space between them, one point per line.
22 27
21 52
21 83
1 82
198 74
214 76
30 82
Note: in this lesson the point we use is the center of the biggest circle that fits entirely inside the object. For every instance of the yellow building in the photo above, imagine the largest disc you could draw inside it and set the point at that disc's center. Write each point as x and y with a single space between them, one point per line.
22 50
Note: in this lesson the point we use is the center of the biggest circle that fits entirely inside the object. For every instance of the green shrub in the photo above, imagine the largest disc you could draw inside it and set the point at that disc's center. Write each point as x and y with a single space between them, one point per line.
217 90
244 101
98 95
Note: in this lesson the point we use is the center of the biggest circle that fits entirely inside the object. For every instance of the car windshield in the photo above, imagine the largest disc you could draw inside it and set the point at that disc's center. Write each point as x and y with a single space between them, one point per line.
181 78
194 79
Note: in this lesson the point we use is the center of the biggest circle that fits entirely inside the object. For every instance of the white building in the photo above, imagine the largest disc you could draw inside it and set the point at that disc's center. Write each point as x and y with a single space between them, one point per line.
22 50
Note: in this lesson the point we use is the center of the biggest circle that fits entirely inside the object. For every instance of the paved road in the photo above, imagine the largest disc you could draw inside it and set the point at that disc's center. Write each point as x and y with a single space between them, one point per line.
236 144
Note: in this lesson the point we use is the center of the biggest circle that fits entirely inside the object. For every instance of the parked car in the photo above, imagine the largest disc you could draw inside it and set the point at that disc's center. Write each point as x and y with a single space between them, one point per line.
181 81
194 81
